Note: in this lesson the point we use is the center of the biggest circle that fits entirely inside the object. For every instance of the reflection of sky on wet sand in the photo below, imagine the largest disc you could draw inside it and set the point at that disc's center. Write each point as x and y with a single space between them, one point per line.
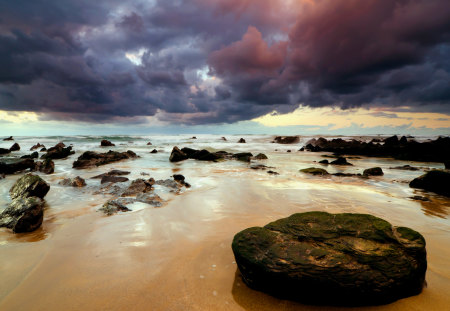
179 256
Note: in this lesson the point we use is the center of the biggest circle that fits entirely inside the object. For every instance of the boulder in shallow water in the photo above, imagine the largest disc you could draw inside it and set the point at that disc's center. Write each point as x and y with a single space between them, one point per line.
8 138
15 147
77 182
34 155
340 161
91 158
314 171
260 156
47 166
436 181
37 146
11 168
333 259
29 185
106 143
138 186
374 171
241 141
177 155
59 151
113 179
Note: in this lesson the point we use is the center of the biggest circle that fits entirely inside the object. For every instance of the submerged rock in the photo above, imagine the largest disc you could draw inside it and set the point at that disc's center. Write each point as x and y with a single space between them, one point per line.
340 259
106 143
113 179
38 145
77 182
113 206
405 168
314 171
287 139
154 151
138 186
324 162
340 161
111 173
260 156
8 138
374 171
436 181
11 168
91 158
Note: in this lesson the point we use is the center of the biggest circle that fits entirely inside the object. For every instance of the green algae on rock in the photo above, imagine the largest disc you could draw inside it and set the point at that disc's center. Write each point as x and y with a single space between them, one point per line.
334 259
314 171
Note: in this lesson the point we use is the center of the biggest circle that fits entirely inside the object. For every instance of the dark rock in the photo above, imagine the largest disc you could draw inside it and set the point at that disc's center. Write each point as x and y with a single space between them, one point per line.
224 139
23 214
405 167
43 149
289 151
106 143
272 173
349 175
447 165
77 182
4 151
178 177
324 162
260 156
149 144
169 183
177 155
301 149
47 166
138 186
90 158
340 161
59 151
243 156
193 137
18 166
154 151
403 140
259 167
34 155
113 206
15 147
241 141
111 173
391 140
374 171
29 185
9 138
436 181
314 171
340 259
286 139
150 199
113 179
202 155
38 145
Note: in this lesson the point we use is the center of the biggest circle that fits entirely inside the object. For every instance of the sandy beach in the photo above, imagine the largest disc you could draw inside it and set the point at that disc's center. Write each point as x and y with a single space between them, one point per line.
178 256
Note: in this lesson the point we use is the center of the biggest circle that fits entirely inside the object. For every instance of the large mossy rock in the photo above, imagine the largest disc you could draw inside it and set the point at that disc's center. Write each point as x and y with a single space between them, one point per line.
29 185
334 259
24 214
436 181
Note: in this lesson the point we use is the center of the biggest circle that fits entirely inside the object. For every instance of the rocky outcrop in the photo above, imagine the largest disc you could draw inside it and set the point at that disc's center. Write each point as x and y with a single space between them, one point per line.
111 173
139 186
113 179
177 155
59 151
106 143
26 211
8 138
243 156
91 158
18 166
403 149
436 181
4 151
374 171
286 139
15 147
333 259
241 141
154 151
34 155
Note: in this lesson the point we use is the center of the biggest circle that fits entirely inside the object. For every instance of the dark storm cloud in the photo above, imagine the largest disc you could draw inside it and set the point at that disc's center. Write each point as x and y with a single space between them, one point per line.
215 61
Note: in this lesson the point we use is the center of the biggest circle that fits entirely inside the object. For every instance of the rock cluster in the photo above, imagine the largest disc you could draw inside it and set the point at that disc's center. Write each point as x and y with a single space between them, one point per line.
91 158
26 211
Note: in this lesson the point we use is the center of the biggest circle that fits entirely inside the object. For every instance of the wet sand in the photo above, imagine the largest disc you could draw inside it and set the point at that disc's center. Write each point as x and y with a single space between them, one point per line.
179 257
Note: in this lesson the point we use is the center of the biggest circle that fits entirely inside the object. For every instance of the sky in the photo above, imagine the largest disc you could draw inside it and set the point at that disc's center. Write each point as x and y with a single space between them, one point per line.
225 66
